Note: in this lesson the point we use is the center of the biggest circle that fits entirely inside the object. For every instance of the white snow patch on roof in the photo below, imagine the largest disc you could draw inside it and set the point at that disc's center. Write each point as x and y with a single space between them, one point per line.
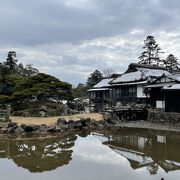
127 77
174 77
103 83
153 72
141 74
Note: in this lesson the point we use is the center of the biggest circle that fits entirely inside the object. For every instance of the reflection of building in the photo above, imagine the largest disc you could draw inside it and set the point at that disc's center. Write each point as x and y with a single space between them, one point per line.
147 150
37 154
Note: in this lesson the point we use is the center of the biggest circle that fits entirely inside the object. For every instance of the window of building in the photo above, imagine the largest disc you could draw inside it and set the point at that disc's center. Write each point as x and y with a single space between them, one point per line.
114 93
92 95
118 93
105 94
132 92
125 92
110 93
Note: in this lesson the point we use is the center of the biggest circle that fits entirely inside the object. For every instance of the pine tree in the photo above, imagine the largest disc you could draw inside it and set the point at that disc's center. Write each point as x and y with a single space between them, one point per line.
171 63
11 61
150 55
94 78
158 60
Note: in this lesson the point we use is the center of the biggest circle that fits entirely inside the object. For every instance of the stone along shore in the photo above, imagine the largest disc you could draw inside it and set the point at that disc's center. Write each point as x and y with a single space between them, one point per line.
61 126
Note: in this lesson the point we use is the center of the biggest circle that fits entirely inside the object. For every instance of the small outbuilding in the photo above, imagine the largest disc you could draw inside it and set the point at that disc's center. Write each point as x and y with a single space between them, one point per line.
165 93
99 95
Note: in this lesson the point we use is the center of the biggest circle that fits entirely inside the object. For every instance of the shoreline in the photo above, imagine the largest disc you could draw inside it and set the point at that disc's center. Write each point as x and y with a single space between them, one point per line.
149 125
95 119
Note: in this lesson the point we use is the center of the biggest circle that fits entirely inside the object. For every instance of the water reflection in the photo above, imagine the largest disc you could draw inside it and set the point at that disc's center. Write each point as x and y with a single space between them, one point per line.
38 154
118 154
147 148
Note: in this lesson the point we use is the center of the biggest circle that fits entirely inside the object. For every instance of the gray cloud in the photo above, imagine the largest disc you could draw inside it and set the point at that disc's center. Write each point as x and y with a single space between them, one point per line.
71 38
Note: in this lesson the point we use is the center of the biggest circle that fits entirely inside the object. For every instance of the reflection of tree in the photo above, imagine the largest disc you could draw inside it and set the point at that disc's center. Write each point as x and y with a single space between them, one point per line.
3 148
38 155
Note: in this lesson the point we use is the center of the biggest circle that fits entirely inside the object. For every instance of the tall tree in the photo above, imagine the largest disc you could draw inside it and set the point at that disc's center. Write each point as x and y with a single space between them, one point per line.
94 78
30 70
171 63
150 55
108 72
11 61
80 91
158 60
4 72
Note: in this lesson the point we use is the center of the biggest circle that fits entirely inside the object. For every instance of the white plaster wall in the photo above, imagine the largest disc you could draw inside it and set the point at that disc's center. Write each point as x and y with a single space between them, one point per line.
160 104
140 93
163 79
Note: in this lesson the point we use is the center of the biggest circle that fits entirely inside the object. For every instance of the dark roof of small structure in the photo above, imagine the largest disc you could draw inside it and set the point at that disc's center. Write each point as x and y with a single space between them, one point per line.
133 67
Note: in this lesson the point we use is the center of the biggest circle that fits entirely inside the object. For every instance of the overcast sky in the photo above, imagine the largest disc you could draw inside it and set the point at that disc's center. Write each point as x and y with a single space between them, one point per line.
71 38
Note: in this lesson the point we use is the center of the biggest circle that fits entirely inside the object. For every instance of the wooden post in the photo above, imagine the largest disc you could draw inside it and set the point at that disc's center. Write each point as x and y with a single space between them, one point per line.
90 102
8 113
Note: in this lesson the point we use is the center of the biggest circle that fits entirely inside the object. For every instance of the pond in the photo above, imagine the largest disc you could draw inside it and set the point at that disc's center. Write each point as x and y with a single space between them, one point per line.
131 154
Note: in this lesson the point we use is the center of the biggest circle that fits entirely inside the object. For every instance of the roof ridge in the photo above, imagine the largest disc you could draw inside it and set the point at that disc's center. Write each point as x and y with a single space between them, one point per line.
147 66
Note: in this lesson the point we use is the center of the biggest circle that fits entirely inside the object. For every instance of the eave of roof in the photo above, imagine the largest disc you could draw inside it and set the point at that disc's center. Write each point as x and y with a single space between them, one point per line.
98 89
130 83
159 85
171 87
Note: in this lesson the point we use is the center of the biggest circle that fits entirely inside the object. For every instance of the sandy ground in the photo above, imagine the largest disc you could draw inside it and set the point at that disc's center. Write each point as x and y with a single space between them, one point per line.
52 120
95 116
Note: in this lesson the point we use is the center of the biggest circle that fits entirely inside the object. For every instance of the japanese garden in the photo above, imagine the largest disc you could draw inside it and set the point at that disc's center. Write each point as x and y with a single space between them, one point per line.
90 90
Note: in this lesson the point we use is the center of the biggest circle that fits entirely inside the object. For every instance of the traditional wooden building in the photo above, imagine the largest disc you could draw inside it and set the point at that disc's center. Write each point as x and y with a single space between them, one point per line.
165 93
128 87
99 95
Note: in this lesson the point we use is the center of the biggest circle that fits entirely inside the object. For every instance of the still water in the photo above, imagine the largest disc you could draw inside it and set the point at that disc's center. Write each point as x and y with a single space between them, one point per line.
127 154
